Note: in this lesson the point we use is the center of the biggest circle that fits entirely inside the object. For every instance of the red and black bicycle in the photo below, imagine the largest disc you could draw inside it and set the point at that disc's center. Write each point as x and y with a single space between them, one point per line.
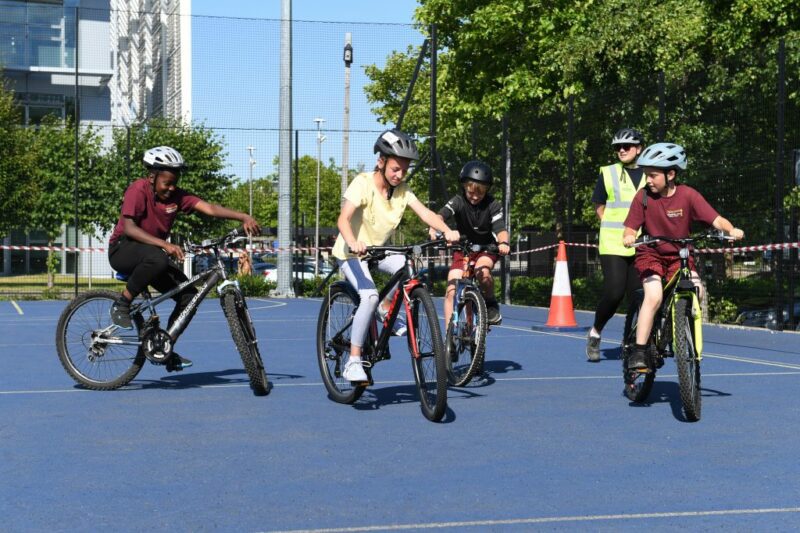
424 333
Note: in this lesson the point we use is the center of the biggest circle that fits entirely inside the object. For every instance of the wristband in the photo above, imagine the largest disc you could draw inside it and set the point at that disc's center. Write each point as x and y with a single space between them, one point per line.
503 242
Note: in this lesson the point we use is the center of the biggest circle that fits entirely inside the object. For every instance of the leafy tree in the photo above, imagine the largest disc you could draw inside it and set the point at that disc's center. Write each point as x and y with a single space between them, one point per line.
531 60
53 147
16 165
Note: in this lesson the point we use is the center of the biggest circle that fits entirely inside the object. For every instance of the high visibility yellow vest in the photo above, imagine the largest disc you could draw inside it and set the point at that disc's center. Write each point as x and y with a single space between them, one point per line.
620 192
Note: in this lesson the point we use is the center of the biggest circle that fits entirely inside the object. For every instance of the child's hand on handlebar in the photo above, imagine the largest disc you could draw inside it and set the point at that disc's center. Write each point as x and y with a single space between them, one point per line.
628 240
173 250
434 234
357 247
503 249
737 233
452 236
250 226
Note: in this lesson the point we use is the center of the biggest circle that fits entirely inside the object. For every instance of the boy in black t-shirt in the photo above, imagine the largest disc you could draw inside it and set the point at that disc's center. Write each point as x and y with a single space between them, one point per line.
479 217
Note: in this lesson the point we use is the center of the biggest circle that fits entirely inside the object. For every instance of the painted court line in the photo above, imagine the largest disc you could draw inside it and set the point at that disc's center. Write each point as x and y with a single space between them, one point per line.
17 307
551 520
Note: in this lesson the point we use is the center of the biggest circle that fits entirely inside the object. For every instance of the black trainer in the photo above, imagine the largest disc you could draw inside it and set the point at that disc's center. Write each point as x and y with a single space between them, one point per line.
493 310
121 314
638 359
177 363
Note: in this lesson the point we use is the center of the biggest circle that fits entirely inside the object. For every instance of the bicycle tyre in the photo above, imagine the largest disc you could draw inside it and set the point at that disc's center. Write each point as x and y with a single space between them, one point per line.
638 385
466 342
686 360
83 316
338 306
234 307
430 367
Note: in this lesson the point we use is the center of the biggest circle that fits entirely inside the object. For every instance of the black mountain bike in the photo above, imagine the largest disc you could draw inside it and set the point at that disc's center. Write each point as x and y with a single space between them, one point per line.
424 335
102 356
677 331
465 341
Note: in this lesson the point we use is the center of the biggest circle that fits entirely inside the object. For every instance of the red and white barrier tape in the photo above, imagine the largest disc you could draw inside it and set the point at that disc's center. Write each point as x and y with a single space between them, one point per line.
310 249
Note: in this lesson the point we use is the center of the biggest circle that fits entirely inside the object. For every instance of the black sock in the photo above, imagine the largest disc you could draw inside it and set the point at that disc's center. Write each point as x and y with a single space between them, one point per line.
123 301
642 347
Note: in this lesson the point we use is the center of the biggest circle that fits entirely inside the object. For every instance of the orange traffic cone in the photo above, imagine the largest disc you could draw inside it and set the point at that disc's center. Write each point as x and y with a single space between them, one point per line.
561 314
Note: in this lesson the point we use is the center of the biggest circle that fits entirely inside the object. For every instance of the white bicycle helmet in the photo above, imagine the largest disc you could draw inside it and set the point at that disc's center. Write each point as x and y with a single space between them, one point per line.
663 155
164 158
627 136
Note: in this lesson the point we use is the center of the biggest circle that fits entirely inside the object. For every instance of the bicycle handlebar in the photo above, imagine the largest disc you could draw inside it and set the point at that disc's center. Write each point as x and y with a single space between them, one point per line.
378 252
465 245
650 240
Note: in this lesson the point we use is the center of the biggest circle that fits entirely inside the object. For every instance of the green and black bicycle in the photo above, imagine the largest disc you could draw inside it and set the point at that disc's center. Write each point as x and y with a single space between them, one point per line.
677 330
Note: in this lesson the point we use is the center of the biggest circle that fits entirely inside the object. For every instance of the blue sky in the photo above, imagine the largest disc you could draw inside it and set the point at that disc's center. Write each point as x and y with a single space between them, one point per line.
235 81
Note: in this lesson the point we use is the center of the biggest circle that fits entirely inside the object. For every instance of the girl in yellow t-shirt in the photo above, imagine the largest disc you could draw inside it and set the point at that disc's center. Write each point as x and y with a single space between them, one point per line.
373 207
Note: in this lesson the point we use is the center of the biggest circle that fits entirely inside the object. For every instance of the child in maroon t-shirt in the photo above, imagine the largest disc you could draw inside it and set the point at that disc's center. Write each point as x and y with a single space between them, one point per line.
669 211
138 245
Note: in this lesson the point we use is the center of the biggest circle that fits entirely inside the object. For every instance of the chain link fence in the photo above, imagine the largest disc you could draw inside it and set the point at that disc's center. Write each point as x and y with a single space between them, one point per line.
230 94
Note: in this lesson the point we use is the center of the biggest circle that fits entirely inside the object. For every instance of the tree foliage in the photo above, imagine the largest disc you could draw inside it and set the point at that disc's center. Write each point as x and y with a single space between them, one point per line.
531 60
16 165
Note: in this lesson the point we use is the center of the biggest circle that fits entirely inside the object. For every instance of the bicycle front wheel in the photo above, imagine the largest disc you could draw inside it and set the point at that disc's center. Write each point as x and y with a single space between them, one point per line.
427 355
687 360
333 344
94 352
465 342
637 384
244 337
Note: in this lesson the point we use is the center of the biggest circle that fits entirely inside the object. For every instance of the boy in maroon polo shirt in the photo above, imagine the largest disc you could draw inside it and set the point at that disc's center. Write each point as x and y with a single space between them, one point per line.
138 245
664 208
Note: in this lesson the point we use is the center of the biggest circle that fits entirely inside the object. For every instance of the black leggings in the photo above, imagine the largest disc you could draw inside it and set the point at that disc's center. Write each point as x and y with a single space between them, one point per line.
619 278
149 265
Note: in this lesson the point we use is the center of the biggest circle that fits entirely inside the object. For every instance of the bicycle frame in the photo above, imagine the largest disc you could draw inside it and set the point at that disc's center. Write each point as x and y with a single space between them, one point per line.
681 286
210 279
406 279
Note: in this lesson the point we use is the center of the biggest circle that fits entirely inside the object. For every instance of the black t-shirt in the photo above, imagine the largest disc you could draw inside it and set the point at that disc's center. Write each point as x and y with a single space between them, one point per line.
600 196
478 223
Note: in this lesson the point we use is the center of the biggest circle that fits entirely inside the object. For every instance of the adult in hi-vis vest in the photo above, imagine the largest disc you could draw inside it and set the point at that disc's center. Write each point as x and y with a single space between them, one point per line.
616 186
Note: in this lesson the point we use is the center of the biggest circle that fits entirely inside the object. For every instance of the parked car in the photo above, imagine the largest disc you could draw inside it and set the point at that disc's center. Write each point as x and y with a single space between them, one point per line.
306 271
765 317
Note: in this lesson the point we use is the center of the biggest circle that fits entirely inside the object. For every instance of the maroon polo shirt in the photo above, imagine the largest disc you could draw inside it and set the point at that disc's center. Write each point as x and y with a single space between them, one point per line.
148 212
668 216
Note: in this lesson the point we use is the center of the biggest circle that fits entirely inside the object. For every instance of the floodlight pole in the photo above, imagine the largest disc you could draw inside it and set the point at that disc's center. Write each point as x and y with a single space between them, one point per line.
250 186
320 140
348 59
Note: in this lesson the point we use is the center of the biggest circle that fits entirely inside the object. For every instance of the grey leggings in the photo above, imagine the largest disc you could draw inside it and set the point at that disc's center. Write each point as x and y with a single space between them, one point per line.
357 274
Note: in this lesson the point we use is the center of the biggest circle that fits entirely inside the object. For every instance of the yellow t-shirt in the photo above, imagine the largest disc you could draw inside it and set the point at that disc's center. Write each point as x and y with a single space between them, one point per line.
375 218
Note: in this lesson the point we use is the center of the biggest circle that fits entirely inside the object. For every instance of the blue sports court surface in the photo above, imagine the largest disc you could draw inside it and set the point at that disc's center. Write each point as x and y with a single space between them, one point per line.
545 441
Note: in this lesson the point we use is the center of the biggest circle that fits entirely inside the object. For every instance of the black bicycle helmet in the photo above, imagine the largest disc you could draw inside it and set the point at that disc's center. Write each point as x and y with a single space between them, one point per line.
627 136
397 144
477 171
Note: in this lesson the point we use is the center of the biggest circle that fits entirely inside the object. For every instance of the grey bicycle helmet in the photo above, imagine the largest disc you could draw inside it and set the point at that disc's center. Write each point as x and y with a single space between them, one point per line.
396 143
627 136
163 158
476 171
663 155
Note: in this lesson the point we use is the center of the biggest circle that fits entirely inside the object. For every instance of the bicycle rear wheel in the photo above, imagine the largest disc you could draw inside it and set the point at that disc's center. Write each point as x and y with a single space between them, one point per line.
687 361
244 337
427 354
466 338
89 345
333 344
637 384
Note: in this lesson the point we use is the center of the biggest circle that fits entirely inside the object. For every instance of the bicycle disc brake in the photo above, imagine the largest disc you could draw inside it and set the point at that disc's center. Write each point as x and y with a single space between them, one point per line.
157 346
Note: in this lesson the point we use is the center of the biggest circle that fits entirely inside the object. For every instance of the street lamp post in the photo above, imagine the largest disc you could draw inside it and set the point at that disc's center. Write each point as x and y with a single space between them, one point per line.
320 140
250 186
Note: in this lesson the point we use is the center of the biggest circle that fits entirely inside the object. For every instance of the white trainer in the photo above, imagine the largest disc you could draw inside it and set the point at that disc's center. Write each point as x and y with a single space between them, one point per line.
353 371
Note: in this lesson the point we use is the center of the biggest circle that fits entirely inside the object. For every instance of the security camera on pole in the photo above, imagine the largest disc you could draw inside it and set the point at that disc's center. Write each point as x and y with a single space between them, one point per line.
320 139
